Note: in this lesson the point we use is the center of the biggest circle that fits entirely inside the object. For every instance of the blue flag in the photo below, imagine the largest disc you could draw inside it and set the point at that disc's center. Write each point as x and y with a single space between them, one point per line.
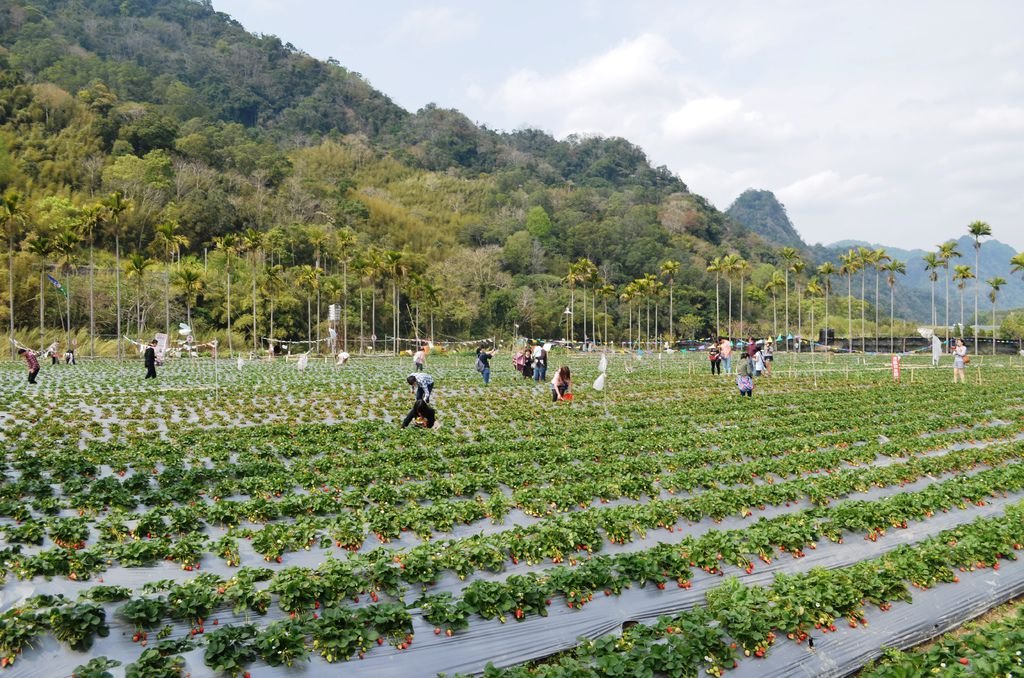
56 283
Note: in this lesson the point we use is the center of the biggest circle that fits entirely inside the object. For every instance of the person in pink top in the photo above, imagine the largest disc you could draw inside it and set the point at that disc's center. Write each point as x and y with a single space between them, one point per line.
725 349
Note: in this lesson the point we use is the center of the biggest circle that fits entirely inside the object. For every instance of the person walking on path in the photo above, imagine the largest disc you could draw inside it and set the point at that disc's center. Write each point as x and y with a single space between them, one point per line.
423 386
483 364
725 347
769 356
540 363
150 358
959 361
715 357
561 385
32 361
419 359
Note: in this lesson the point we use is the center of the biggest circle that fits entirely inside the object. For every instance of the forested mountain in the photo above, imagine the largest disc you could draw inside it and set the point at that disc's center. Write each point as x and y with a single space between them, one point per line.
762 213
993 260
158 159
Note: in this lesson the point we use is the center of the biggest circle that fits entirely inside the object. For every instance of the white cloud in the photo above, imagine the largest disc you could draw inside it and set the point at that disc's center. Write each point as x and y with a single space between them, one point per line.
630 76
997 120
720 119
436 25
829 186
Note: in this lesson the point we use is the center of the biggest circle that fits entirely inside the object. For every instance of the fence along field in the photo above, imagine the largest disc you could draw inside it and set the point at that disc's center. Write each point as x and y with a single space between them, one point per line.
225 520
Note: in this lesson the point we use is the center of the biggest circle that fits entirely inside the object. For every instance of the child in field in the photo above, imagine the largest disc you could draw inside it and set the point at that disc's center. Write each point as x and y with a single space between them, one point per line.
715 357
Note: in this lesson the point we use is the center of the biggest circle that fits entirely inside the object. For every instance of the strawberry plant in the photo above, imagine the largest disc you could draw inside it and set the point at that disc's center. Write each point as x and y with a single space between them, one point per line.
144 613
283 642
96 668
229 649
78 624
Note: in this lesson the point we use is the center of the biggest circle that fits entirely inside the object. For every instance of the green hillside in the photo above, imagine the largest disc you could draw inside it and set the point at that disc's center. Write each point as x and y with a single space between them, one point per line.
230 180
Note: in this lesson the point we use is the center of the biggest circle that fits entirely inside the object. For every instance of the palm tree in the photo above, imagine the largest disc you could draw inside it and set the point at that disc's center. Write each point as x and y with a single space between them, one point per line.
892 268
995 284
189 278
136 268
931 266
308 278
344 240
849 264
740 268
607 291
826 271
432 295
626 297
397 267
729 263
228 244
670 269
878 259
788 255
814 289
586 273
252 245
574 275
947 252
776 281
272 284
864 256
369 266
319 237
978 230
113 207
13 217
1017 263
797 267
65 245
41 246
716 267
168 242
962 273
91 218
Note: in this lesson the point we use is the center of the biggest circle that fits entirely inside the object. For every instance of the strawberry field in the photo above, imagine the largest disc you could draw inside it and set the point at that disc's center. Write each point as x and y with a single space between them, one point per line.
259 519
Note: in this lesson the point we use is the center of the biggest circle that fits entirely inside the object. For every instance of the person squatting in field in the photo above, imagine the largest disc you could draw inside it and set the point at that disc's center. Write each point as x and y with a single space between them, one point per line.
423 386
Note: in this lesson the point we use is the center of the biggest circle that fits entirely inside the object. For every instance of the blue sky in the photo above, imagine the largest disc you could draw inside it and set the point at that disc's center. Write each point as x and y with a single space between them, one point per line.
896 123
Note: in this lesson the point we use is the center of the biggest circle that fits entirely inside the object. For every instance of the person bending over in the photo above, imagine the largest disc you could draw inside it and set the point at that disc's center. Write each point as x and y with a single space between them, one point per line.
561 385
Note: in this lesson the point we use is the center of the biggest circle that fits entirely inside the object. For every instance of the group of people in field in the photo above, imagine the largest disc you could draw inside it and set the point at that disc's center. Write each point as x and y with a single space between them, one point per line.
756 360
531 362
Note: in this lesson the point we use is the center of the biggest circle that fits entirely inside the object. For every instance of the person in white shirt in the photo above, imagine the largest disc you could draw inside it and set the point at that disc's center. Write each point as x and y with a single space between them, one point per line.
419 359
959 360
540 363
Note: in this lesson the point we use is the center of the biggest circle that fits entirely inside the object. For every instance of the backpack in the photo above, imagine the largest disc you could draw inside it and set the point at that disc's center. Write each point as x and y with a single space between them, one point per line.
479 365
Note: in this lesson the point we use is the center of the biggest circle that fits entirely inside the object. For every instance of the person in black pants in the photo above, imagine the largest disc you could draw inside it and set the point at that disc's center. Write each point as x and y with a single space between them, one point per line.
423 384
150 357
32 362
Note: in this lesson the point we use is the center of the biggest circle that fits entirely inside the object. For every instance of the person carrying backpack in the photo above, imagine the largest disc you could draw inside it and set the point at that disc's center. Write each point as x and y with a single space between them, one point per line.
483 364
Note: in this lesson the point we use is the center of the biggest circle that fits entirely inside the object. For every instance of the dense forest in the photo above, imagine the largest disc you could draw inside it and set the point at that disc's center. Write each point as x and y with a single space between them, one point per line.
159 165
